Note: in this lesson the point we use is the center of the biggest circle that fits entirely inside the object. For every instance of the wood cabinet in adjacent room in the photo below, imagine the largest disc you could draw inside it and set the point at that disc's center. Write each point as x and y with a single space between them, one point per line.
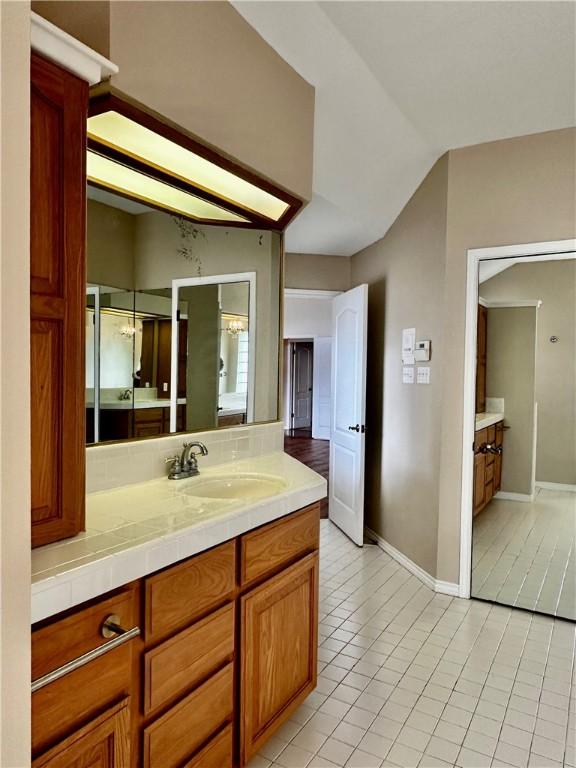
488 452
59 103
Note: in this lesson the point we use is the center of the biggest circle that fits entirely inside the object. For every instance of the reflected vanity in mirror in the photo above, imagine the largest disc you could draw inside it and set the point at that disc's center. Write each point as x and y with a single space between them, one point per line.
182 322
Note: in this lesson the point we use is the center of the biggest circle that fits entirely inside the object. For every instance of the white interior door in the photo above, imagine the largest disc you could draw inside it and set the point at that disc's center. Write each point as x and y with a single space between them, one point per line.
347 434
303 362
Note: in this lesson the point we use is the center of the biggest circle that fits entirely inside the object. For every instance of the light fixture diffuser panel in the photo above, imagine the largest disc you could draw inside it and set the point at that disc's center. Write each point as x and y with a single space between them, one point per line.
124 180
129 137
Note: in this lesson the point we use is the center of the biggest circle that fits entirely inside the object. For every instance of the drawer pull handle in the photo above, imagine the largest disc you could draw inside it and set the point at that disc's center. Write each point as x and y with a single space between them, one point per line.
111 627
86 658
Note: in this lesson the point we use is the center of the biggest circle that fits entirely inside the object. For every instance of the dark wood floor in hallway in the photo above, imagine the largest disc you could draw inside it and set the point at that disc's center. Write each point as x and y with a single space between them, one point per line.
314 453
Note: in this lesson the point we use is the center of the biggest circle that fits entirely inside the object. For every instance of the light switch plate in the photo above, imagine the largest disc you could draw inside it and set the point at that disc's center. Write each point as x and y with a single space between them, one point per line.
407 375
423 374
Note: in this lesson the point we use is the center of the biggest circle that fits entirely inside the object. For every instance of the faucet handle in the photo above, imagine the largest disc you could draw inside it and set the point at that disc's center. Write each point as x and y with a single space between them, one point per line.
175 461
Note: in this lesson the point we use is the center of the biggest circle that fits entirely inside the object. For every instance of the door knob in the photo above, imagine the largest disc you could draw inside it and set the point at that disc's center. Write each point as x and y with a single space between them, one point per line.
355 428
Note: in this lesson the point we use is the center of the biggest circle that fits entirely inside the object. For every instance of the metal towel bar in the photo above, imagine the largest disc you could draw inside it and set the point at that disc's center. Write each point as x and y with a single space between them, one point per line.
124 635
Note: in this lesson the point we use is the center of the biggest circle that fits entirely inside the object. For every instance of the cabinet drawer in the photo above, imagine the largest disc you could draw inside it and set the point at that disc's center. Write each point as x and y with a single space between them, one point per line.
178 595
174 737
105 741
489 473
181 662
492 434
55 643
143 415
218 753
480 437
265 550
68 703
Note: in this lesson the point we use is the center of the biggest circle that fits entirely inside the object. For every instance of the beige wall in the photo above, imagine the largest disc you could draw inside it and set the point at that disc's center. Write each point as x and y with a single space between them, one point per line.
14 385
317 272
554 282
519 190
514 191
110 237
405 272
89 22
511 374
201 65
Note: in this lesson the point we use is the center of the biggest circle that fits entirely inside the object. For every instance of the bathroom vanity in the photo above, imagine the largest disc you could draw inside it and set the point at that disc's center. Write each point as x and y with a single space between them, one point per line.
488 452
174 620
194 663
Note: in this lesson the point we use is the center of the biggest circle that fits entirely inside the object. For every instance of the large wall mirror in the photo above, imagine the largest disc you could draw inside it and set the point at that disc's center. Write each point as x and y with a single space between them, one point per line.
182 322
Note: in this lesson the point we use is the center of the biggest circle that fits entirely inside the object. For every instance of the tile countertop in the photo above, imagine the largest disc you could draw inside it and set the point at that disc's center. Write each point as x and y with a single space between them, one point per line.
137 529
484 420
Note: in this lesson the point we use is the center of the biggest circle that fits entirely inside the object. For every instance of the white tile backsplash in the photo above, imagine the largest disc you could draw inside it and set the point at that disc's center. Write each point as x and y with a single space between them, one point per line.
111 466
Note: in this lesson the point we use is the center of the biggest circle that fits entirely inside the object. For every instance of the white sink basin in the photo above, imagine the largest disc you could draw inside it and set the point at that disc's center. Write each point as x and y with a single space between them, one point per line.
238 486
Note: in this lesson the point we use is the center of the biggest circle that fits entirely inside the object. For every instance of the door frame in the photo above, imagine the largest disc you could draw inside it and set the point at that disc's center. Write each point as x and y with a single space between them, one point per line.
553 250
288 394
186 282
95 291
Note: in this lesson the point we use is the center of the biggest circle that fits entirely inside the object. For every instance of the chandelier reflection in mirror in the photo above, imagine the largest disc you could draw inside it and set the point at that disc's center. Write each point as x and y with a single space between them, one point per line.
235 327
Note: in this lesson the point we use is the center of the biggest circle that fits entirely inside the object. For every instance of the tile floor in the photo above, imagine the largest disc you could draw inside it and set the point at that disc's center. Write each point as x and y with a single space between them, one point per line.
524 554
412 678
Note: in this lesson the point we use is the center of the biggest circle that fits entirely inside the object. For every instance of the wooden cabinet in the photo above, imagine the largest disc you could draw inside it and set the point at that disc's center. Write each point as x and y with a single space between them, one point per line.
488 452
189 657
278 544
102 743
68 703
218 753
278 651
182 593
481 339
227 652
175 736
59 103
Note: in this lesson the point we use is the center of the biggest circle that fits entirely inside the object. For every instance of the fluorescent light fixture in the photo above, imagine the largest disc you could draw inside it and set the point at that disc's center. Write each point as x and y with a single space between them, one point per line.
118 132
112 175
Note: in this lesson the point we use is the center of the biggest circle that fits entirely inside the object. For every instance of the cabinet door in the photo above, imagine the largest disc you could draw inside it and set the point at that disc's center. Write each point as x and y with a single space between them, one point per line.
59 103
278 651
479 481
103 743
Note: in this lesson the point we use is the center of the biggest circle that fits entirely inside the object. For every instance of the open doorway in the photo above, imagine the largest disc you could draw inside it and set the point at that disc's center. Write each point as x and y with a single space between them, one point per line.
301 405
522 504
300 355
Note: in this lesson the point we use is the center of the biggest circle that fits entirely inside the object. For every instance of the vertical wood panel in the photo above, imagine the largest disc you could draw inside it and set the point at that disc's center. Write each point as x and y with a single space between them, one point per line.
46 384
278 651
58 276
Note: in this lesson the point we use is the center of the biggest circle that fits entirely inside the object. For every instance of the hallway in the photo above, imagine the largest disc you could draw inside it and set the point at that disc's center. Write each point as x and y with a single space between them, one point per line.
314 453
413 678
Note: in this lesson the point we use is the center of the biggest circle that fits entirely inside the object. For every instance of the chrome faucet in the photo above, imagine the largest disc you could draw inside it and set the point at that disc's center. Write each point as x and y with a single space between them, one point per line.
186 465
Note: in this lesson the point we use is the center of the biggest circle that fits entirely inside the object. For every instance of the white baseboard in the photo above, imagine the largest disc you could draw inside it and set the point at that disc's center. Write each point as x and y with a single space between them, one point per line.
556 486
444 587
508 496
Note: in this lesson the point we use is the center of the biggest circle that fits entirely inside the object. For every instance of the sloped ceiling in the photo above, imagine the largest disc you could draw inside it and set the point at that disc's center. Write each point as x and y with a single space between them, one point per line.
399 83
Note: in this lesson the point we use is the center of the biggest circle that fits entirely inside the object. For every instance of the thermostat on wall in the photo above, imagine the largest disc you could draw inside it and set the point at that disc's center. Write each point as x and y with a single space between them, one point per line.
422 351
